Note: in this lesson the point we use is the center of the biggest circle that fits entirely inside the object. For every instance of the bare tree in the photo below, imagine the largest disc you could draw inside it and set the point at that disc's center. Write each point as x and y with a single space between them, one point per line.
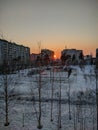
7 93
34 99
2 35
39 92
59 114
52 92
8 82
6 100
69 100
40 109
75 119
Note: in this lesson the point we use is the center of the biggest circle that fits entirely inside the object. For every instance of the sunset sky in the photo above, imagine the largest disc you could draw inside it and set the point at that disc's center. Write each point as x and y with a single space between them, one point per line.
55 24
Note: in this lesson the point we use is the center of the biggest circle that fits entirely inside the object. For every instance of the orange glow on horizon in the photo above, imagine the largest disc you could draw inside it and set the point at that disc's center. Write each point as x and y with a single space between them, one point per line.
57 47
58 52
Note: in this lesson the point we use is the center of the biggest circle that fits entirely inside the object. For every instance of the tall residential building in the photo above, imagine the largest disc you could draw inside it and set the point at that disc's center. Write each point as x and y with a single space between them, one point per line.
72 55
12 53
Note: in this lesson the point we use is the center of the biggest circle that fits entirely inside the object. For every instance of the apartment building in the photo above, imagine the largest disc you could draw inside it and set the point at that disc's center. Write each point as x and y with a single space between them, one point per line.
13 54
48 52
72 56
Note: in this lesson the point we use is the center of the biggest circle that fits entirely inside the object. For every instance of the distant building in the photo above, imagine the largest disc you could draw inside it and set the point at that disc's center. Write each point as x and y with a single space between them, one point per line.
47 56
48 52
33 58
12 53
71 56
44 58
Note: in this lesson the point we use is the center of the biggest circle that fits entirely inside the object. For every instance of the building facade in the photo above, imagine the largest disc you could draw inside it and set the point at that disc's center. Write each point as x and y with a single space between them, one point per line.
48 52
33 58
13 54
71 56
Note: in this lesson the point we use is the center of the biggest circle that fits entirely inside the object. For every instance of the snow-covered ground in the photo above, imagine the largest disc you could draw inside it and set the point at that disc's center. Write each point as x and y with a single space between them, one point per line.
78 99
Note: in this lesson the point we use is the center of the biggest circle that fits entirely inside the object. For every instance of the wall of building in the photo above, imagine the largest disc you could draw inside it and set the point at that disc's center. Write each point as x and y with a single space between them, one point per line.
50 53
12 53
71 53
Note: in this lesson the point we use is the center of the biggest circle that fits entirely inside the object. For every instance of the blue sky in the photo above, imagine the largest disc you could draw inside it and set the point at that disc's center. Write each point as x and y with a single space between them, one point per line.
55 23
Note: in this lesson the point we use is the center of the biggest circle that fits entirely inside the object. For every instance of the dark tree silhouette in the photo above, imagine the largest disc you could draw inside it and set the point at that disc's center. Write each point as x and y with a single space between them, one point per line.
81 56
63 59
46 59
73 57
38 61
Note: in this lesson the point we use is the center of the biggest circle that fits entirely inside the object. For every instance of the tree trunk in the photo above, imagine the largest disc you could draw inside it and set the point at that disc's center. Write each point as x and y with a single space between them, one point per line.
69 101
6 101
39 90
52 97
59 118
